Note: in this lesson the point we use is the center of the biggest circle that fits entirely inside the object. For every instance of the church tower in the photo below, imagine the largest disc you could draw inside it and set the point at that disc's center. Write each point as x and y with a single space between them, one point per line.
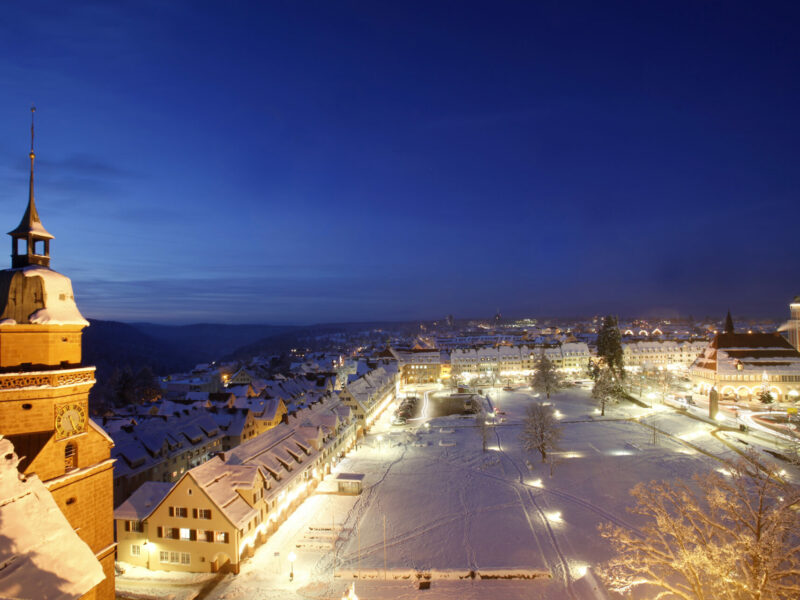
44 391
794 323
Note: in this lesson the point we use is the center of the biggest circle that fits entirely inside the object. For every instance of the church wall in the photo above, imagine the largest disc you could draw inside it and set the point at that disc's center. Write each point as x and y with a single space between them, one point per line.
88 504
32 409
39 345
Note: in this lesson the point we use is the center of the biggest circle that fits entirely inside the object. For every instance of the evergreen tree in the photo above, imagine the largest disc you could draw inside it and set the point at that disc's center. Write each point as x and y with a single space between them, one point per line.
609 346
122 386
145 385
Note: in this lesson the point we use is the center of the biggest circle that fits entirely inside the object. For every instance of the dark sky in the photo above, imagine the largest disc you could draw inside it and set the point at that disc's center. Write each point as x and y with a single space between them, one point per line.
294 162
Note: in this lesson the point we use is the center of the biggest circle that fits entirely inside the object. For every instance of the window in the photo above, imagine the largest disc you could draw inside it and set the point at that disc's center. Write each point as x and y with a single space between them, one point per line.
133 526
204 513
174 557
70 457
186 534
136 550
208 536
221 537
163 556
178 511
185 557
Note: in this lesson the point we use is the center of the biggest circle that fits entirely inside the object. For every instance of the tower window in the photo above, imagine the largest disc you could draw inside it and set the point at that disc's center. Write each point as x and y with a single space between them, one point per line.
70 457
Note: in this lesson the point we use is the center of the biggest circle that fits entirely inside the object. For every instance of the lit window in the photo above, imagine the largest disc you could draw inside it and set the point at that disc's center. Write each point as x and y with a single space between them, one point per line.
136 550
186 534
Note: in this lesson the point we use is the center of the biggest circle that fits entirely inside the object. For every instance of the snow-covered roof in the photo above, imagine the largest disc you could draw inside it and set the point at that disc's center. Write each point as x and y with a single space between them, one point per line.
221 481
41 556
760 352
143 501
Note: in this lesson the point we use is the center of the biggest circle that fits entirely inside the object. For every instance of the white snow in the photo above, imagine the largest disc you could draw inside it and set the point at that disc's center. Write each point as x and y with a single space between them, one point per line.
41 556
498 524
59 301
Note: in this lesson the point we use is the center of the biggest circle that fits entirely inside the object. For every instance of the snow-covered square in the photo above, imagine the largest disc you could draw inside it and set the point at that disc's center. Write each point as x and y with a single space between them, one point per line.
497 523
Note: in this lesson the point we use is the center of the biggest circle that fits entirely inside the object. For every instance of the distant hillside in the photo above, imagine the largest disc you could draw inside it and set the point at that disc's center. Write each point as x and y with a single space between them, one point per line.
109 345
208 341
317 337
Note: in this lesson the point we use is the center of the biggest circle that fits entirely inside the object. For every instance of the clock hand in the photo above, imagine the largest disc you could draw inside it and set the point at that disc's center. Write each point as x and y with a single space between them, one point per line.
72 422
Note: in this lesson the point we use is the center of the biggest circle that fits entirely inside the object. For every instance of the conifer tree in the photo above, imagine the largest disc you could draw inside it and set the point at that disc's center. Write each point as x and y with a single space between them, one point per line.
609 346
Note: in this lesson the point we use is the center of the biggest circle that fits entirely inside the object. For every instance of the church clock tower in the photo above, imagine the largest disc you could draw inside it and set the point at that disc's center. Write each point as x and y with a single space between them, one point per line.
44 391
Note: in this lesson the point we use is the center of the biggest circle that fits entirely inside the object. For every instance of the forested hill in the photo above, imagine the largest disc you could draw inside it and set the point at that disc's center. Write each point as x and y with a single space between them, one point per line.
164 348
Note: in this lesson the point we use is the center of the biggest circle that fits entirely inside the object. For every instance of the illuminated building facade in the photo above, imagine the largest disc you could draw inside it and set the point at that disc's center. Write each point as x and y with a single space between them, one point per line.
217 513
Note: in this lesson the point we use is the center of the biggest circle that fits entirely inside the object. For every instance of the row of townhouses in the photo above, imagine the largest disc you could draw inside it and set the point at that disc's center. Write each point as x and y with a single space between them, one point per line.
516 361
160 441
673 355
216 513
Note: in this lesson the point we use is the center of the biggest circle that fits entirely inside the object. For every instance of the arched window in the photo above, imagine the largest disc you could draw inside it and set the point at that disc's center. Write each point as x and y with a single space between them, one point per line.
70 457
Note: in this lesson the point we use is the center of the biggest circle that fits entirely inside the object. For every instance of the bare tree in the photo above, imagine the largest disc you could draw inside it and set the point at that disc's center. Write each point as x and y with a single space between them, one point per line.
737 538
540 430
483 428
607 389
546 378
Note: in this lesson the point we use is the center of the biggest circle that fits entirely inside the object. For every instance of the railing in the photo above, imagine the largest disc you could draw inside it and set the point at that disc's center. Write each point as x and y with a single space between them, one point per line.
58 378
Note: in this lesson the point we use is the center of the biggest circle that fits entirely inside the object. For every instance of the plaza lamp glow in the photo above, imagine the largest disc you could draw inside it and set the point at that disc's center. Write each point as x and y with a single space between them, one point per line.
292 557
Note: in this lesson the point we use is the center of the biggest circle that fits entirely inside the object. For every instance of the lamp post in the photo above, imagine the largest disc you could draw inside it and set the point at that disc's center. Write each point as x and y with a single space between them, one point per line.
292 557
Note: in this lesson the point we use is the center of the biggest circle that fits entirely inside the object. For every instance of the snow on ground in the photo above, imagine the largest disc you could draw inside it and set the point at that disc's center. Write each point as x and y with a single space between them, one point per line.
459 515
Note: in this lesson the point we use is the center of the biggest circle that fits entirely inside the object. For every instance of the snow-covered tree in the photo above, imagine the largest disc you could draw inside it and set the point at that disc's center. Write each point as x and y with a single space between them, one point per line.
546 378
765 397
609 346
540 429
607 389
731 536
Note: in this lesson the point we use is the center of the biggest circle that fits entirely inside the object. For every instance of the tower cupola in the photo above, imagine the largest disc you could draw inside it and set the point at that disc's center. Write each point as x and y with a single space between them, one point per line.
30 241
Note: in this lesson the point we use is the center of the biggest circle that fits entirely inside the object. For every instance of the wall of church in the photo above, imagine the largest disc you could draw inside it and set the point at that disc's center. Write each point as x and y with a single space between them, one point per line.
88 504
40 345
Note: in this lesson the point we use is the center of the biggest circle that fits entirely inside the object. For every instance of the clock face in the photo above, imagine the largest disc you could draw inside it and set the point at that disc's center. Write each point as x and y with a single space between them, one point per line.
70 420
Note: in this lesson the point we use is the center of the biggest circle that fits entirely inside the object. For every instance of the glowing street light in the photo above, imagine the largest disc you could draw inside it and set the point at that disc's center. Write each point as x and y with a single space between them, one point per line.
292 557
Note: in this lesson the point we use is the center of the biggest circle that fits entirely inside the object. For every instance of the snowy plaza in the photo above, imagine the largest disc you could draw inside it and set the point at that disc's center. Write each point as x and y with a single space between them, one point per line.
436 508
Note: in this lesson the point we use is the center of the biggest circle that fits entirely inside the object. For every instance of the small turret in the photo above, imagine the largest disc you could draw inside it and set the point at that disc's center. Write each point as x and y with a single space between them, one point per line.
30 231
728 323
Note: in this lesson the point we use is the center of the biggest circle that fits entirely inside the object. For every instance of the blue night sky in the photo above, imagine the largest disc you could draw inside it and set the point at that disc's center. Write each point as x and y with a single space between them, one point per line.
297 162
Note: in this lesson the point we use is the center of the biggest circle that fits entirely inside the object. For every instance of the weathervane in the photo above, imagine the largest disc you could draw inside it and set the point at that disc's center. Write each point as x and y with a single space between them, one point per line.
33 110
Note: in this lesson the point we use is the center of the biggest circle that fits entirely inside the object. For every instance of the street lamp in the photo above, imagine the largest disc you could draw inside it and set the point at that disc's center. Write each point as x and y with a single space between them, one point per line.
292 557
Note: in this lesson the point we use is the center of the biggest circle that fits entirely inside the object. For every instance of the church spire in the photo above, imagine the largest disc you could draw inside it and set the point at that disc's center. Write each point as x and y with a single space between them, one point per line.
30 229
728 323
